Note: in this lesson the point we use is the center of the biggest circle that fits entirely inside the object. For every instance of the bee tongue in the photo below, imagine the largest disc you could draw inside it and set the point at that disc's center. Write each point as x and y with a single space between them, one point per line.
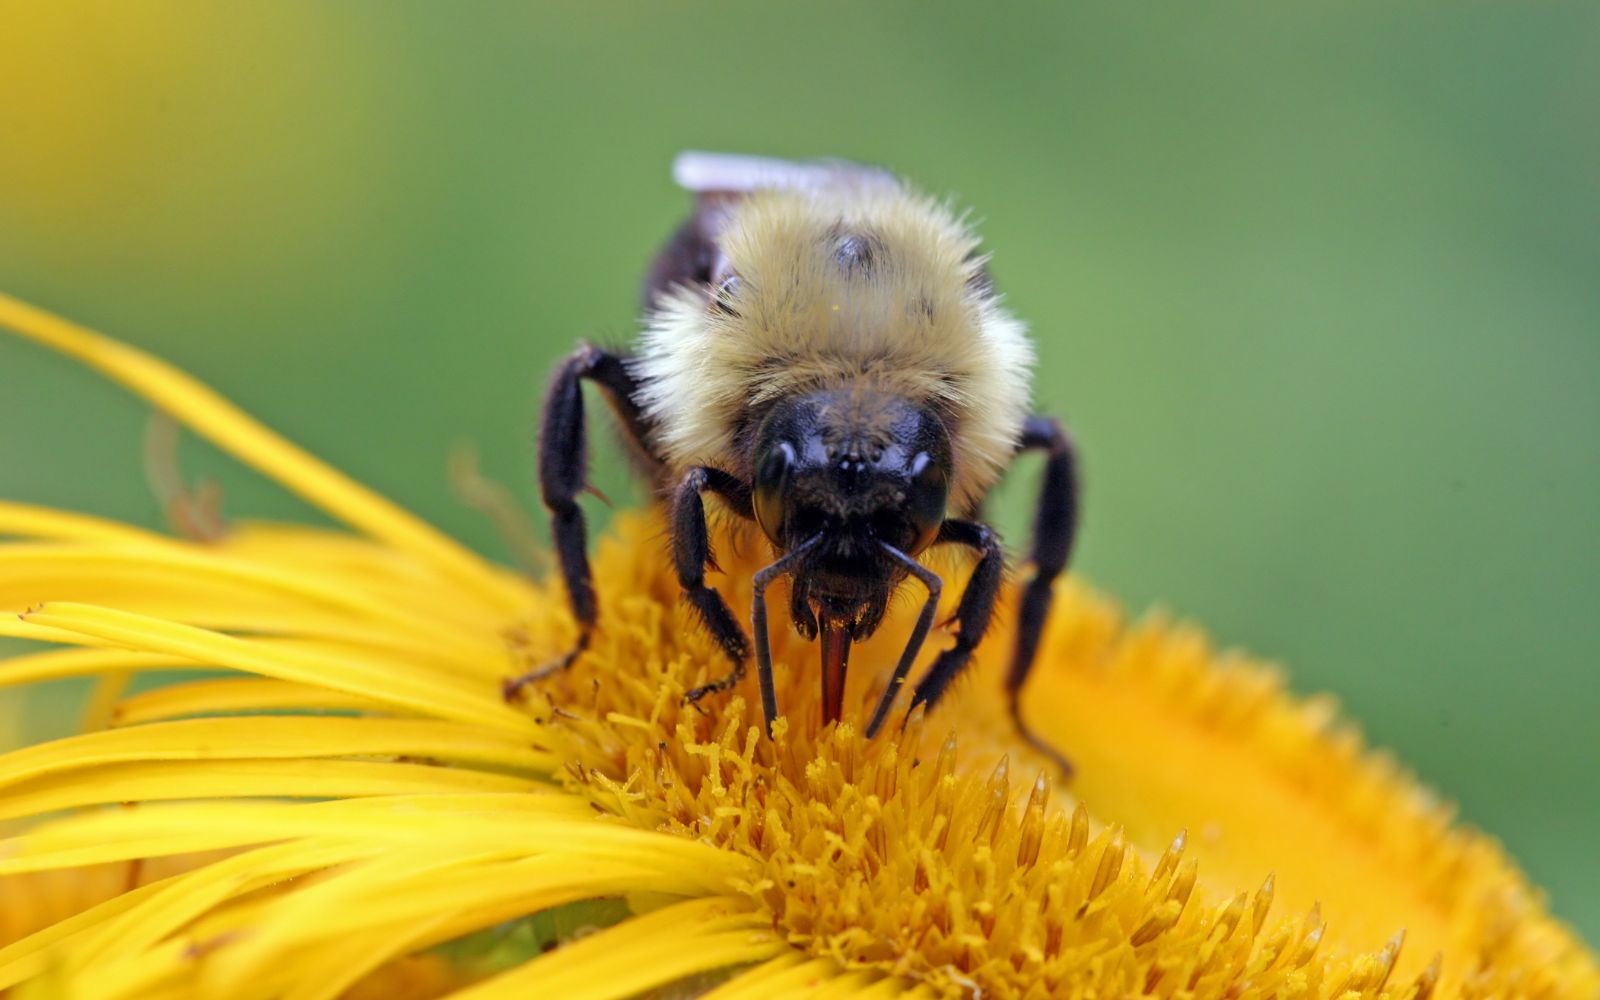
835 662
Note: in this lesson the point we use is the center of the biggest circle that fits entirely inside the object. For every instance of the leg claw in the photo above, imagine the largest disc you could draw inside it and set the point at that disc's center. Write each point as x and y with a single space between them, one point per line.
512 687
693 695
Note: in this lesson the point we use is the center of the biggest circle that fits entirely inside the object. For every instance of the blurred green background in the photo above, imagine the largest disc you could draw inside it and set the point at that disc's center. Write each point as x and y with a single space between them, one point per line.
1318 288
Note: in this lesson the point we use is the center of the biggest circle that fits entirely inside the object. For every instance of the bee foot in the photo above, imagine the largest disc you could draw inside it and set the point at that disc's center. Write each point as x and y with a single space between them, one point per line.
512 687
693 695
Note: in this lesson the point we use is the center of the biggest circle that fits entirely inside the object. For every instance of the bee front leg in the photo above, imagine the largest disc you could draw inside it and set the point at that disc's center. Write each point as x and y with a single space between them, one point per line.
691 554
563 475
919 634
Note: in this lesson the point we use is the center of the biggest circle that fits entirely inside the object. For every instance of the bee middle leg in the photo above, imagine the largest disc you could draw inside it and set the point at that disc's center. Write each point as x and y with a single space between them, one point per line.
563 475
977 608
972 613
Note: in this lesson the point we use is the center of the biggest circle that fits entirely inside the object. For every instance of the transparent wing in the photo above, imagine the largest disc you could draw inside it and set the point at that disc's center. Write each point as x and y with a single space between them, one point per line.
714 173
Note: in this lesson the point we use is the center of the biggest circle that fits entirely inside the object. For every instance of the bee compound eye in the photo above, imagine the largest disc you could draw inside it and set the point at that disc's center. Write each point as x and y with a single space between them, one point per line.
926 498
773 470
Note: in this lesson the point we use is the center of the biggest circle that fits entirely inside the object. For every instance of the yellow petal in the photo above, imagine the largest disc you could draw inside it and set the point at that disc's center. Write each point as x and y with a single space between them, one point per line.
416 690
402 889
31 521
284 737
207 583
57 665
332 973
232 430
661 947
772 977
791 974
467 822
248 694
156 780
31 955
182 899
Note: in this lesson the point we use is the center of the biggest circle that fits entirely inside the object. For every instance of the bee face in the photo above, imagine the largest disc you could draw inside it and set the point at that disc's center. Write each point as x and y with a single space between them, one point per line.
852 469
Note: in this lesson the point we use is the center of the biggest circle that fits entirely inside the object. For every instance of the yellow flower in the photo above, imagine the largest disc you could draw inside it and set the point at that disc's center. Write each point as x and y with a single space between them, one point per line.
353 791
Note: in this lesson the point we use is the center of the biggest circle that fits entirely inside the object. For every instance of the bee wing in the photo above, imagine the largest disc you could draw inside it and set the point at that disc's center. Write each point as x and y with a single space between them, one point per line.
718 181
733 174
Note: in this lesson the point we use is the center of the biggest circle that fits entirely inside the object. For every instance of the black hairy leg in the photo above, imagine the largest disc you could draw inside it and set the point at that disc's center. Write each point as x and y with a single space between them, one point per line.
919 634
691 554
1054 524
758 622
972 614
563 475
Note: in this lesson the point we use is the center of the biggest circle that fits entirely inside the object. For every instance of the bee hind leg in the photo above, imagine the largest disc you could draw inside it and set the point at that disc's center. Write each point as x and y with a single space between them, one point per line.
1055 523
563 475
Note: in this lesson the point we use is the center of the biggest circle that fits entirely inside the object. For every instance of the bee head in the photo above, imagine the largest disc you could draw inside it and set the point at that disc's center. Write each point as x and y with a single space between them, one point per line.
854 468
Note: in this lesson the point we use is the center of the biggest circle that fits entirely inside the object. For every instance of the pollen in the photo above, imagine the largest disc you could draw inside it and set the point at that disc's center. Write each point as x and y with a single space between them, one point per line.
332 795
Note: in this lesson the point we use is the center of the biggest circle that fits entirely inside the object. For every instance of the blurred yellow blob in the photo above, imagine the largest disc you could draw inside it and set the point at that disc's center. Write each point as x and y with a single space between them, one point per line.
159 131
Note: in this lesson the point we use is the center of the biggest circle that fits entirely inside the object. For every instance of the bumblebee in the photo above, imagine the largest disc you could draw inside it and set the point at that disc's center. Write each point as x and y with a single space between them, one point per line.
823 351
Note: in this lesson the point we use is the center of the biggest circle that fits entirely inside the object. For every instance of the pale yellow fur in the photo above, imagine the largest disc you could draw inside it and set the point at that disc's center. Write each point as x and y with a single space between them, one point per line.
912 322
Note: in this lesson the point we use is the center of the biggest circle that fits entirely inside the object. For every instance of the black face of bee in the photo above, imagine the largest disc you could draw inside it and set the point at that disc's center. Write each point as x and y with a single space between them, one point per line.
852 468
